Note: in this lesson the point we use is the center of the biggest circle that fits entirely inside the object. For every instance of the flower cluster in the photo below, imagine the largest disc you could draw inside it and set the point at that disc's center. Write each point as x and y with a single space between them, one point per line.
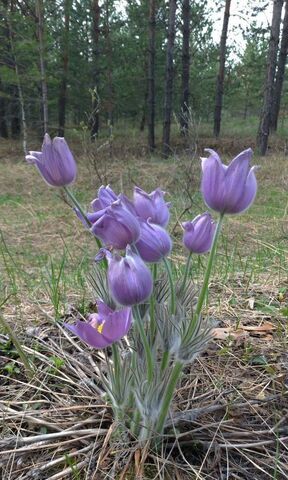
132 234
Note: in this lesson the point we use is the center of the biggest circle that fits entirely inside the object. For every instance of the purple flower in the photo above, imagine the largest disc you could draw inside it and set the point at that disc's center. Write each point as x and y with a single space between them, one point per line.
115 225
106 196
151 205
229 189
198 234
55 162
154 242
103 328
129 279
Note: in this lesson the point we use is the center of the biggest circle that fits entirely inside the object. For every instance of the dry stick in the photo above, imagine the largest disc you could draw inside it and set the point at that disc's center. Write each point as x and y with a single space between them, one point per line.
52 463
68 470
49 436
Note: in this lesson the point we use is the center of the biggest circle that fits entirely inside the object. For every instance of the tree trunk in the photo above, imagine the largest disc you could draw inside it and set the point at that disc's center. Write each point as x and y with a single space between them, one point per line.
151 75
3 122
280 72
94 118
265 118
221 72
169 79
65 62
40 37
184 117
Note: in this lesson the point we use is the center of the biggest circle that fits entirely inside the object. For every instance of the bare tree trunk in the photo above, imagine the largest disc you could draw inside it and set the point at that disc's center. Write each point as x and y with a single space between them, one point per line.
169 79
94 119
40 37
3 122
221 72
110 103
280 72
184 117
151 75
265 118
144 108
16 126
65 62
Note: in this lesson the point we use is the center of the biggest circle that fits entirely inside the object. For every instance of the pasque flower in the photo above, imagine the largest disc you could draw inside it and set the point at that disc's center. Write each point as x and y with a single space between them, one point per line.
129 279
229 189
198 234
55 162
103 328
151 205
154 242
115 225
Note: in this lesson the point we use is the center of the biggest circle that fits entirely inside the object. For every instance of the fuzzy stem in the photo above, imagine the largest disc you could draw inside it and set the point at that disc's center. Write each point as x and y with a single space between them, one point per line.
78 206
187 269
153 326
168 396
147 349
205 283
171 283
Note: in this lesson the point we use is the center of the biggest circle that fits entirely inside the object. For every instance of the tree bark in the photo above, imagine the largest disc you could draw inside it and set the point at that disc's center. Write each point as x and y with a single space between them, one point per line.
65 63
94 119
169 79
3 122
39 10
221 72
184 117
280 72
151 75
265 118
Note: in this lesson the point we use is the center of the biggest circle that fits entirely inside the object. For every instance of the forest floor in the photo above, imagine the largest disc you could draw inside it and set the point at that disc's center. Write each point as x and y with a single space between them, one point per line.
241 378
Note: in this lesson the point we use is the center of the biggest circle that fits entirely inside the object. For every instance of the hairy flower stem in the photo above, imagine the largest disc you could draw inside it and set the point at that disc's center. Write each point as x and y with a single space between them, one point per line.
171 283
186 273
78 206
205 283
153 326
147 349
169 392
168 395
165 360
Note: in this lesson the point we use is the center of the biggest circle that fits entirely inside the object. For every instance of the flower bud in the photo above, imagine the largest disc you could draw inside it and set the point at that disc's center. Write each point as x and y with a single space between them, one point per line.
129 279
229 189
55 162
151 205
154 242
198 234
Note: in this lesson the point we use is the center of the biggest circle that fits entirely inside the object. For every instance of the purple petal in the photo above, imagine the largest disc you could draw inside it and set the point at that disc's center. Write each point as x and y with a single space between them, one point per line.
235 179
88 334
249 193
213 182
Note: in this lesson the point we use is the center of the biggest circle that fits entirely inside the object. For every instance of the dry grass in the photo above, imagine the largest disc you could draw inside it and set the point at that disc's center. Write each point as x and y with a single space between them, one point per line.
230 412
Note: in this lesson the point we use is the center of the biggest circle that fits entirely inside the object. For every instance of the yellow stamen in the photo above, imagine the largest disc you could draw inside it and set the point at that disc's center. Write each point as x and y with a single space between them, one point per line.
100 327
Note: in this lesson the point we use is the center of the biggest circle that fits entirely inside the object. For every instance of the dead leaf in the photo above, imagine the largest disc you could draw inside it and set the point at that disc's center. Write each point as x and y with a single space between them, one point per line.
251 302
243 331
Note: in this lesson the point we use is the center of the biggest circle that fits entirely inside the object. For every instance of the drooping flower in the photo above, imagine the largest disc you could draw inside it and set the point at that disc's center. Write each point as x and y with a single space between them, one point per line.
129 279
55 162
152 205
103 328
115 225
199 233
229 189
154 242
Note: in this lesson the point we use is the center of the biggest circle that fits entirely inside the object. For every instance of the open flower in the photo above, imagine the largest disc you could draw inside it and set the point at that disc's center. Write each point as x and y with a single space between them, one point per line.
229 189
55 162
129 279
103 328
106 196
115 225
152 205
198 234
154 242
